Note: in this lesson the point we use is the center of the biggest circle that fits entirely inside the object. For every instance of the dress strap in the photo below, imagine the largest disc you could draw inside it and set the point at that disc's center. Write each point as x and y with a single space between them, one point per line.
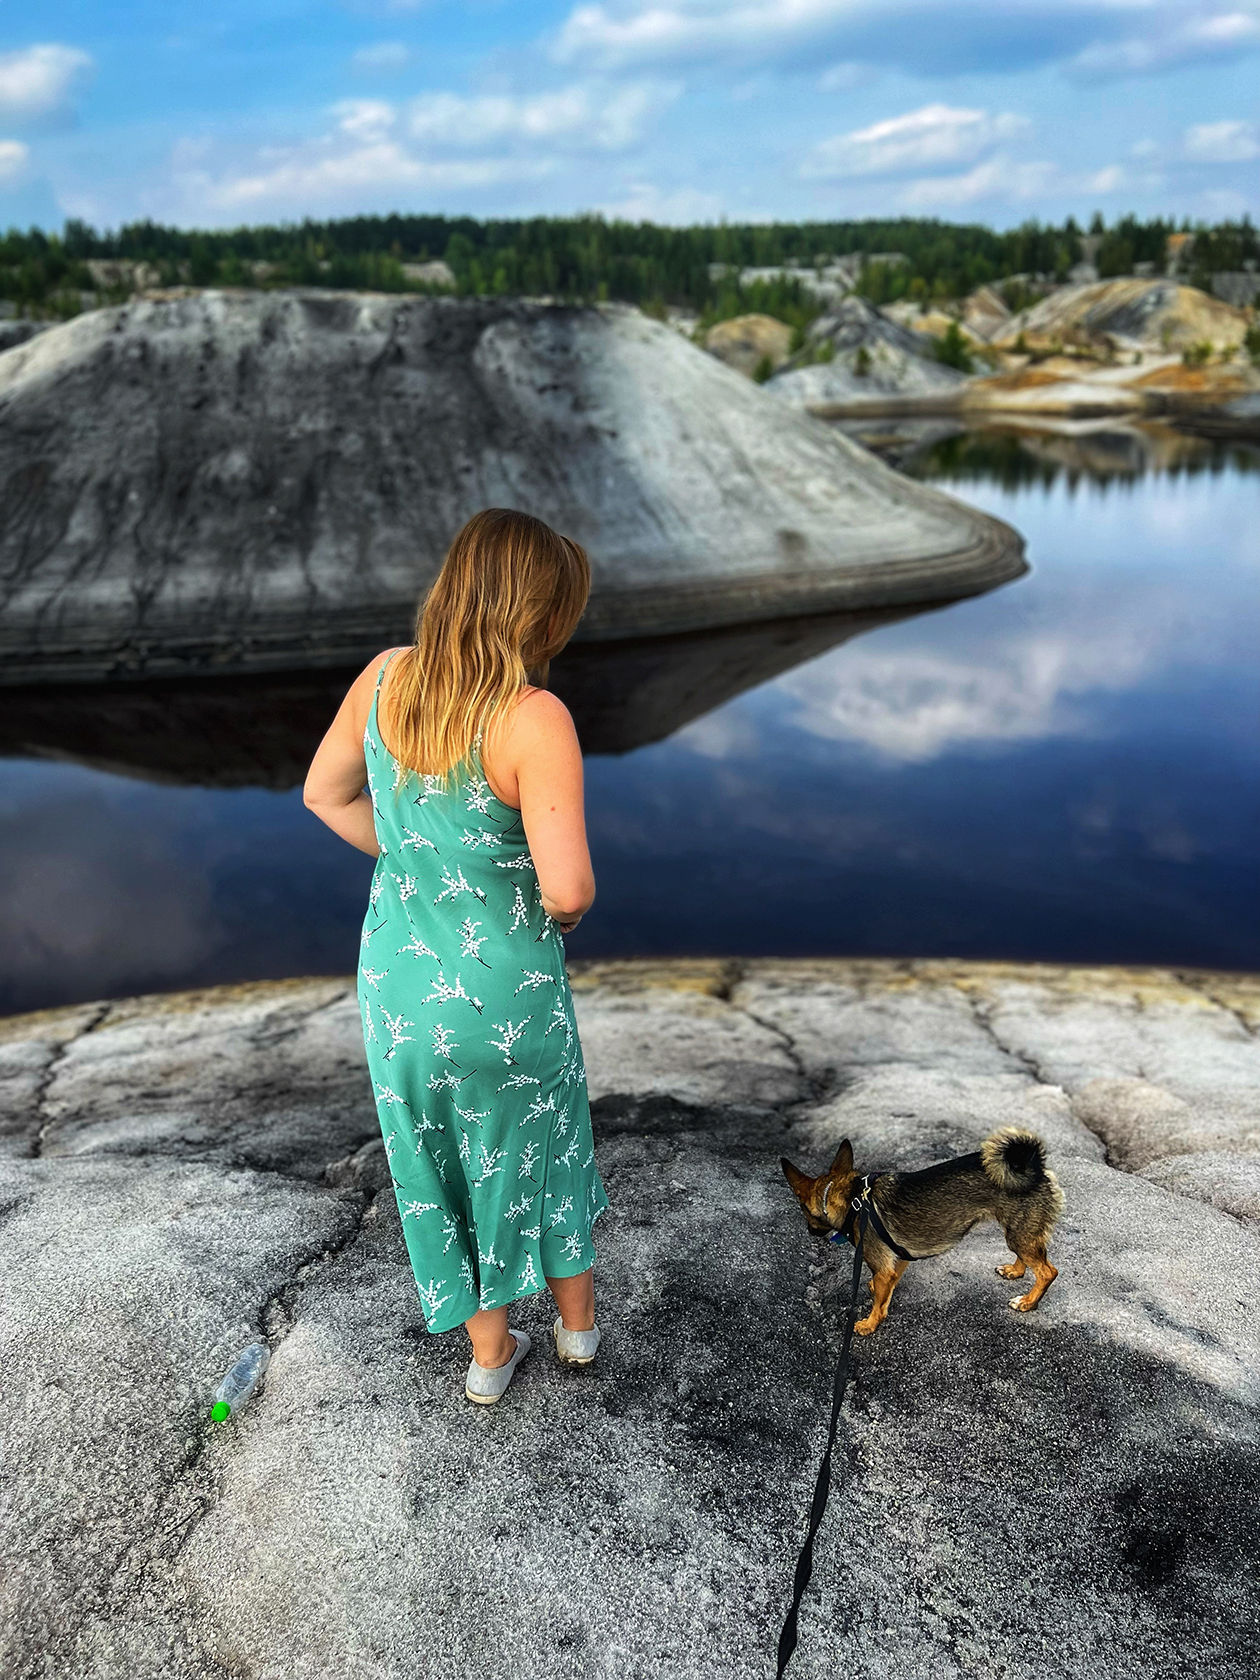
380 675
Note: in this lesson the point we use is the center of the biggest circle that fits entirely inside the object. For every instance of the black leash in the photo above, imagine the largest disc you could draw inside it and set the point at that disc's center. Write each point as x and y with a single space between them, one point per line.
866 1199
859 1210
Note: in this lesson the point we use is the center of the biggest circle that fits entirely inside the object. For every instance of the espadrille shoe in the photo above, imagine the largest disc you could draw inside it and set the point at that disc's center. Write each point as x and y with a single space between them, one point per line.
486 1387
575 1347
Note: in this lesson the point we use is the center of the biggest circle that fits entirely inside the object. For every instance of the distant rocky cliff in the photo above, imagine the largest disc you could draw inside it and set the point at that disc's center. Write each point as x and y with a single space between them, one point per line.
237 481
1127 348
855 358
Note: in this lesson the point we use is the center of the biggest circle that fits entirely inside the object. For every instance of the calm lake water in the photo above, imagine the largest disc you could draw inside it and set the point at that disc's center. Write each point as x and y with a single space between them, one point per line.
1066 769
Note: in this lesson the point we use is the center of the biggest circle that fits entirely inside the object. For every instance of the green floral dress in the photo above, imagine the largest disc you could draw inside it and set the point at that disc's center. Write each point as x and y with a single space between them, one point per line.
472 1045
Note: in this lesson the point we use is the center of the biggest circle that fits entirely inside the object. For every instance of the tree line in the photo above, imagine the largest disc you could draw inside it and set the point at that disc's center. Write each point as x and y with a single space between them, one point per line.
591 259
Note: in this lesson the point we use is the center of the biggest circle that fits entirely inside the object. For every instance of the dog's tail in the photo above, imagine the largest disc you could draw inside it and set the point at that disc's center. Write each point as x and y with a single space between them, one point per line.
1014 1159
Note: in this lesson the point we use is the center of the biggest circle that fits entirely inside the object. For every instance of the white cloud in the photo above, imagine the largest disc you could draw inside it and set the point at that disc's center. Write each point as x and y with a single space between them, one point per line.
841 77
1000 178
1093 38
584 114
1004 180
440 142
323 176
646 203
13 159
1222 142
1224 206
632 32
365 119
38 81
933 137
1112 179
1172 40
382 58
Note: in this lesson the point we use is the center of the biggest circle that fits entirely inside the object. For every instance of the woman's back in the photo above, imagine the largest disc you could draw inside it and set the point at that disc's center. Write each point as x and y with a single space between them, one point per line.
468 1020
471 1043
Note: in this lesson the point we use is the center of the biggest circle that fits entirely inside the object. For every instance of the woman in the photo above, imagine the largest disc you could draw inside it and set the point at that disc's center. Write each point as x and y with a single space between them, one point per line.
473 809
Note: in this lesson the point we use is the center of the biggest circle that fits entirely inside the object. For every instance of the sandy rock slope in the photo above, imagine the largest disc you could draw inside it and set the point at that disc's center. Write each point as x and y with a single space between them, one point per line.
1067 1493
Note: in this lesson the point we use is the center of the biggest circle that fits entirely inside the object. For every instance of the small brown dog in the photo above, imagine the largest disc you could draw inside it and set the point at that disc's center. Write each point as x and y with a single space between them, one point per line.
914 1215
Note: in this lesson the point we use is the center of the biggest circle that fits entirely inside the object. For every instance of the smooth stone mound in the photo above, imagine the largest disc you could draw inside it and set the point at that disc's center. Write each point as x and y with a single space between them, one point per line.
252 481
747 342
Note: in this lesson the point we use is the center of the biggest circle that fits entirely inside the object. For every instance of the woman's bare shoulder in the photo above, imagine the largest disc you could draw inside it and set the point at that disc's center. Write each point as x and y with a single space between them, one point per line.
539 713
361 690
373 668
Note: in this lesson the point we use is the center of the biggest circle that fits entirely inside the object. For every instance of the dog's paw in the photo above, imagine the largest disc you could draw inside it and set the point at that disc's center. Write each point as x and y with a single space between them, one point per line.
1013 1271
1023 1303
866 1326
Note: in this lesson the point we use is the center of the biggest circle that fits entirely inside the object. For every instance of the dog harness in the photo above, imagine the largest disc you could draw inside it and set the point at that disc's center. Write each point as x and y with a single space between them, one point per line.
865 1198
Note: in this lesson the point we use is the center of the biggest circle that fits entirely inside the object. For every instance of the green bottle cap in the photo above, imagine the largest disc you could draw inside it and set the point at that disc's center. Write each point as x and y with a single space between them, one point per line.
220 1410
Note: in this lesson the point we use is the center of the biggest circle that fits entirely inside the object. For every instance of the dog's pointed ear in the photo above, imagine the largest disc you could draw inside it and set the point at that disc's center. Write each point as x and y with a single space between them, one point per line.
843 1162
802 1184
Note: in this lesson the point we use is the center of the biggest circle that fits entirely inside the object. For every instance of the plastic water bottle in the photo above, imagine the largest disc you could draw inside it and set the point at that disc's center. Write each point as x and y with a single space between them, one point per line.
241 1381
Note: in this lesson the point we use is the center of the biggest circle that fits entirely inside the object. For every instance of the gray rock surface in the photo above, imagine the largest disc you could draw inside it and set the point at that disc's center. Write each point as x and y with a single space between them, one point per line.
1237 418
250 481
1067 1493
17 332
875 366
1226 1178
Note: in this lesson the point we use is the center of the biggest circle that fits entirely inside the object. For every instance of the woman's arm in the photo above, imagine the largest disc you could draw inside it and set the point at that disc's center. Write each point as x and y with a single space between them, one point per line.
539 750
336 779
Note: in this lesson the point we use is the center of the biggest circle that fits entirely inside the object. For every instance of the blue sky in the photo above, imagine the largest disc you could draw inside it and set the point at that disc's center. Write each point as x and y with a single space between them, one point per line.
670 110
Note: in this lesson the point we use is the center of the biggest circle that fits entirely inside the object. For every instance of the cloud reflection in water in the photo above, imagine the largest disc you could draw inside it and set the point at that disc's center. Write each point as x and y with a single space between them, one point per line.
1065 769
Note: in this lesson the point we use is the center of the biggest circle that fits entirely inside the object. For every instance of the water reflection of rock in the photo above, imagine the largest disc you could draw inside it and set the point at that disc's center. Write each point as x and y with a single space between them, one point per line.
1016 455
261 730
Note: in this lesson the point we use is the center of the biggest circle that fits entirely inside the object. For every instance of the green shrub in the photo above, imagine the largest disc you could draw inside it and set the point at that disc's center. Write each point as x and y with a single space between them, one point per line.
763 370
862 362
826 351
1251 344
1196 355
951 349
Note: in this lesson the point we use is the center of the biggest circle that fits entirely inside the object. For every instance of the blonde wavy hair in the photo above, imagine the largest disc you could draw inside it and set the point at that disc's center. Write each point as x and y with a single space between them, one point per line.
508 597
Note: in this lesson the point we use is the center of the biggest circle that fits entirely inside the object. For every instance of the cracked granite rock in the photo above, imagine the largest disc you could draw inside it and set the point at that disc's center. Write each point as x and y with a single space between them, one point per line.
268 481
1069 1492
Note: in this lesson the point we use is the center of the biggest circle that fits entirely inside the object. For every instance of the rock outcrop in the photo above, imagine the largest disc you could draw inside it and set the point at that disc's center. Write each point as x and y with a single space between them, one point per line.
1064 388
985 314
1133 315
1071 1491
251 481
750 343
15 332
857 361
1114 348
